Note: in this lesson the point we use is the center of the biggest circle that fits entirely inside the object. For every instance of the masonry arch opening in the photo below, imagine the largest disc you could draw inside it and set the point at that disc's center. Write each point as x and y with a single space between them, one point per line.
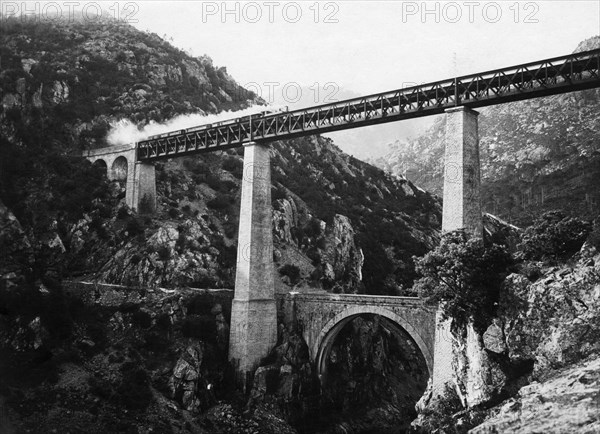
119 169
101 164
371 361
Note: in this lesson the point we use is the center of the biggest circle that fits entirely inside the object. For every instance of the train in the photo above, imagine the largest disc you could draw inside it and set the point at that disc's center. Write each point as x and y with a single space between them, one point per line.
217 124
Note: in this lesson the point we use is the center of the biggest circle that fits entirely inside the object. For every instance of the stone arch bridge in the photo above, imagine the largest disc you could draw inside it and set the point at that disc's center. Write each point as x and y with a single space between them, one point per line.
321 316
120 164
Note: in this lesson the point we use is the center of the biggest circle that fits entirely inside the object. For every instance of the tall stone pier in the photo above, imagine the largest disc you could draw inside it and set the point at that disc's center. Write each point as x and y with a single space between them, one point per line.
253 330
461 210
140 194
462 196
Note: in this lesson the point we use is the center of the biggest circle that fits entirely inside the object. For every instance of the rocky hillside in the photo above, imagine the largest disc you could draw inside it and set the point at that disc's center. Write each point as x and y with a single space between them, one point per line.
72 79
530 366
63 85
536 155
109 359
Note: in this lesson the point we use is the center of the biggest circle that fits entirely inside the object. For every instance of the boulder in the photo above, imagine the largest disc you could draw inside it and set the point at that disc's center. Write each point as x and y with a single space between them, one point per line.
185 378
493 338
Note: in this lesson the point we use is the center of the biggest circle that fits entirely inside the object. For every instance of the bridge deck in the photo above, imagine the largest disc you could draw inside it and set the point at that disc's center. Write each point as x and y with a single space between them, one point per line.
557 75
380 300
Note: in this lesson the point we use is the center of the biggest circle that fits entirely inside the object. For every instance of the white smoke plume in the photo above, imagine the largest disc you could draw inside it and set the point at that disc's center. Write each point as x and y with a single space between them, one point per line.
124 131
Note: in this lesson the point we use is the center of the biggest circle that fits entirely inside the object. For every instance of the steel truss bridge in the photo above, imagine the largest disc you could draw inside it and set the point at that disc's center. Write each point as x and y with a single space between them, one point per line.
557 75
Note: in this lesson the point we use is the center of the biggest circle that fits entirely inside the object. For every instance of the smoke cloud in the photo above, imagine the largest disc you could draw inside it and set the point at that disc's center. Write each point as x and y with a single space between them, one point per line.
125 131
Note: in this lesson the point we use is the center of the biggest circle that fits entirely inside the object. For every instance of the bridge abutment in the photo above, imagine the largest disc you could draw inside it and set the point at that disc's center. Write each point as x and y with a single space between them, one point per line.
253 330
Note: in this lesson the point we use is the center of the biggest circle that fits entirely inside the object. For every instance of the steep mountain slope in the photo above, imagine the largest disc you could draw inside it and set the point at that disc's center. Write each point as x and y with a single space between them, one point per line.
338 223
64 84
536 155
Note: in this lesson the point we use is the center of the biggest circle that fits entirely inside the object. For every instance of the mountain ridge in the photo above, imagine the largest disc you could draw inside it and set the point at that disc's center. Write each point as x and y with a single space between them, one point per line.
536 155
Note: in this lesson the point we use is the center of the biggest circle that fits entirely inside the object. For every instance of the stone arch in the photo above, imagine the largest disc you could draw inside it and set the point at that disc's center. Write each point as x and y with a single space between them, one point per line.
119 169
102 164
330 330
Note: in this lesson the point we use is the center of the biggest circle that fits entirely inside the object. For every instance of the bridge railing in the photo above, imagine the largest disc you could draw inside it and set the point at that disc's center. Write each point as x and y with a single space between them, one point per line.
575 71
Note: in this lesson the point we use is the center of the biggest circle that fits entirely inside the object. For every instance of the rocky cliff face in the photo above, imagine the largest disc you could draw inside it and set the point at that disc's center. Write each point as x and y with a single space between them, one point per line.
566 402
544 336
536 155
109 359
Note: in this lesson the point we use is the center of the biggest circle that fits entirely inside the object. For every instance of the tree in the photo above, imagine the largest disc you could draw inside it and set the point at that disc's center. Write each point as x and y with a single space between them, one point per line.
554 236
466 276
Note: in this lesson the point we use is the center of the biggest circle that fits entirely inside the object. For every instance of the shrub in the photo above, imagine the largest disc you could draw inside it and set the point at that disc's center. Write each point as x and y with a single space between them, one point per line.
156 342
531 271
163 321
230 228
466 276
234 166
142 319
122 213
199 178
134 391
195 165
553 236
146 205
135 259
227 185
594 236
292 271
214 182
314 255
219 202
199 326
313 228
135 226
278 193
173 213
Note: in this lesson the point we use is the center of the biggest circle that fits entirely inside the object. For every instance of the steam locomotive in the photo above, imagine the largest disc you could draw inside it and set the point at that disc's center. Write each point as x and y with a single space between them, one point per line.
217 124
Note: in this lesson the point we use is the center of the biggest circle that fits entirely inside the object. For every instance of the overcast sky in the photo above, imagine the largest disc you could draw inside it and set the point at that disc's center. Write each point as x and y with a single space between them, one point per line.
367 46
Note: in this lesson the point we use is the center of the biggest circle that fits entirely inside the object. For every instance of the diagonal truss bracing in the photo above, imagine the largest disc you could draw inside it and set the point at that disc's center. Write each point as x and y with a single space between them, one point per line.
563 74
